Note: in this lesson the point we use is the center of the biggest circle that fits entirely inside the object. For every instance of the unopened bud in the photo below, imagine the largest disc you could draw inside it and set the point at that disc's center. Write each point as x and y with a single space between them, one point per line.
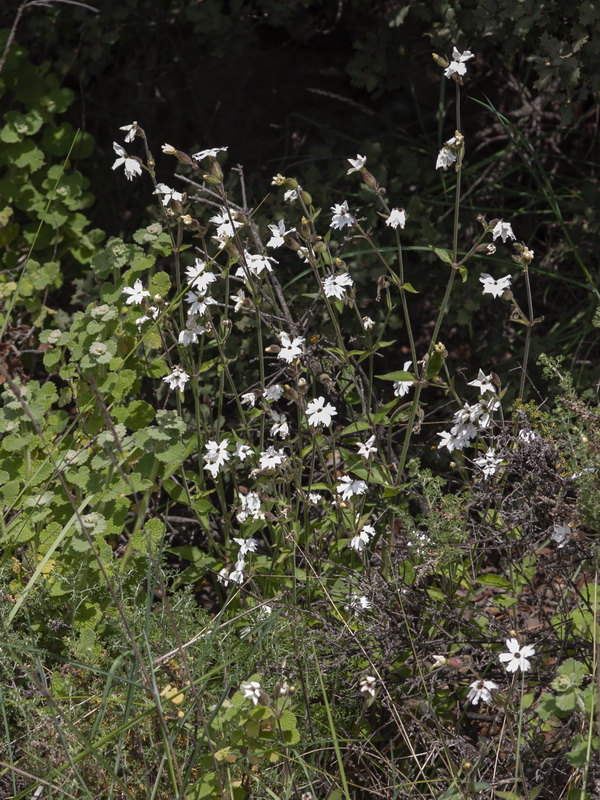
215 169
290 183
304 228
292 243
441 62
306 198
182 157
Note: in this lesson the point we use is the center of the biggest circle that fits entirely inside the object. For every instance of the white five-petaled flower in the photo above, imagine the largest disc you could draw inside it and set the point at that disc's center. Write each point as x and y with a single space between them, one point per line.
489 463
226 225
517 657
335 285
168 194
403 387
341 216
247 545
278 231
216 456
191 332
319 412
561 535
273 393
242 451
131 165
255 263
357 604
136 294
367 686
397 218
250 508
366 449
280 425
131 131
199 303
503 230
481 690
177 379
212 151
348 487
291 194
457 65
271 458
362 538
368 323
290 348
484 382
446 156
356 164
252 691
198 277
493 287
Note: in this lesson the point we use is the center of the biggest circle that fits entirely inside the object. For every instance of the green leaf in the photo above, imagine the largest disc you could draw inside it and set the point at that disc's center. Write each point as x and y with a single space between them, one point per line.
356 427
399 375
444 255
566 701
160 284
408 287
26 155
136 415
493 580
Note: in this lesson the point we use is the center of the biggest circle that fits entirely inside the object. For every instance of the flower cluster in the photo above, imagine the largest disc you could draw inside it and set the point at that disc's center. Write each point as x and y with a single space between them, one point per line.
472 419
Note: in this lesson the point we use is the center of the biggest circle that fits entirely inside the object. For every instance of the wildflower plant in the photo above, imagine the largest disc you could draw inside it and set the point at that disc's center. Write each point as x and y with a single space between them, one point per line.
209 392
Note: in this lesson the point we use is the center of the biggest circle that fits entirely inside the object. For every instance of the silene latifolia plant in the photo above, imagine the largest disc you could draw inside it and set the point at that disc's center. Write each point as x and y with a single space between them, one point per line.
239 384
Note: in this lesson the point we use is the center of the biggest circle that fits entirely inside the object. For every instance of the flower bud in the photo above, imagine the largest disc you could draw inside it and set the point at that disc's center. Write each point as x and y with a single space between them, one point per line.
292 243
215 169
441 62
182 157
289 183
306 198
304 228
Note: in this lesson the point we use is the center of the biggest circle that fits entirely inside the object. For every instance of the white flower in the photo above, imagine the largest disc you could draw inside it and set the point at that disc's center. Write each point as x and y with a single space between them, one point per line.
169 150
151 314
358 604
250 508
252 691
177 379
249 398
255 263
495 288
356 164
239 300
242 451
216 456
457 65
168 194
290 349
527 435
137 294
348 487
341 216
367 686
277 233
314 498
271 458
280 426
290 195
446 156
273 392
368 323
517 657
225 224
481 690
458 438
403 387
198 277
397 218
198 303
247 545
237 576
561 535
489 463
334 286
131 129
131 165
210 152
503 230
320 413
191 332
366 449
362 538
484 382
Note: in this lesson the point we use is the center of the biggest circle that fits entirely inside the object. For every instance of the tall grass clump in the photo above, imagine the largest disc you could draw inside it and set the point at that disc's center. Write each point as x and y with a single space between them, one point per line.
263 537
